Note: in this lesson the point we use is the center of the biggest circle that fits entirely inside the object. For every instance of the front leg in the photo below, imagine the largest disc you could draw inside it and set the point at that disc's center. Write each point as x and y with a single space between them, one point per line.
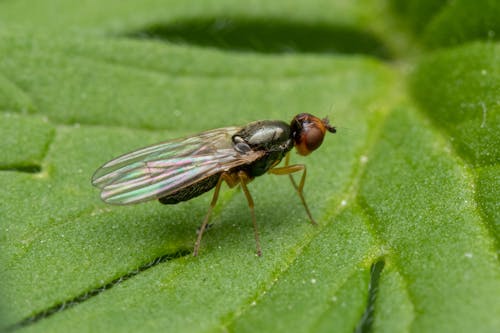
288 170
287 163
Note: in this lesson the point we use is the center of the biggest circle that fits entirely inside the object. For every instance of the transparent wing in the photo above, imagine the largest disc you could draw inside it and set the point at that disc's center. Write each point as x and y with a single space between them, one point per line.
159 170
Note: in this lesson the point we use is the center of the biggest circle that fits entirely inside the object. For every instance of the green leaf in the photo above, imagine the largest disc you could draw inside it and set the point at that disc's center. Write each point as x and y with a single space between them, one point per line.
405 194
418 13
458 89
441 23
462 21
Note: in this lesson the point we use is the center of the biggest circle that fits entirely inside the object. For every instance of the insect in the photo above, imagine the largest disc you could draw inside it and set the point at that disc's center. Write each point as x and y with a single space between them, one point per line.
181 169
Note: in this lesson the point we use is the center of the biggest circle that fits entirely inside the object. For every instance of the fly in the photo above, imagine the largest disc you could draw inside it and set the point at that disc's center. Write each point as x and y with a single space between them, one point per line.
179 170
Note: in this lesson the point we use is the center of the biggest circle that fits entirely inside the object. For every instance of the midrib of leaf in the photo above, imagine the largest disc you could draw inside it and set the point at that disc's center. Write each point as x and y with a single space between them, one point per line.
490 221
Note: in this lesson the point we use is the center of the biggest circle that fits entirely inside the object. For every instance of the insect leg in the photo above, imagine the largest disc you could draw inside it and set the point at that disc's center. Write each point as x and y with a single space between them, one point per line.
287 163
244 179
207 216
288 170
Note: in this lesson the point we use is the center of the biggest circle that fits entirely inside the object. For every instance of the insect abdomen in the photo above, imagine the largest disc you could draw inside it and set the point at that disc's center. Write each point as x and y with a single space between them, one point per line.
191 191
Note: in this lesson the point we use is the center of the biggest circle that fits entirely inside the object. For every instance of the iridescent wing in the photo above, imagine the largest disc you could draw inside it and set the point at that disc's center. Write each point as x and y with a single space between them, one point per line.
162 169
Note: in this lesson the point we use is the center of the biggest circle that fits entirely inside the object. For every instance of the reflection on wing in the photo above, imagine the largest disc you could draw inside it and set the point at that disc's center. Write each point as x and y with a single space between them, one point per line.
159 170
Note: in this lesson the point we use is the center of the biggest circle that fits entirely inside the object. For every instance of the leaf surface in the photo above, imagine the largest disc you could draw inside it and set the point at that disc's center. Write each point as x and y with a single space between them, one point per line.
406 192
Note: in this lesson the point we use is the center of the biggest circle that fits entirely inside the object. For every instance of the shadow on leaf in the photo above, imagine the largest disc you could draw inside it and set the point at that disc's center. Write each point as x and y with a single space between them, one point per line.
267 36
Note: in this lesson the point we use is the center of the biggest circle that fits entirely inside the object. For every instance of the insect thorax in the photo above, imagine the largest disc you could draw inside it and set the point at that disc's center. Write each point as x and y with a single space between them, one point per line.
272 137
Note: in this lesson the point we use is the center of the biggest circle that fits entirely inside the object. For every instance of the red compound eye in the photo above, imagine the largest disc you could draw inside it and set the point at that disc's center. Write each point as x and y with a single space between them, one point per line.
308 132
